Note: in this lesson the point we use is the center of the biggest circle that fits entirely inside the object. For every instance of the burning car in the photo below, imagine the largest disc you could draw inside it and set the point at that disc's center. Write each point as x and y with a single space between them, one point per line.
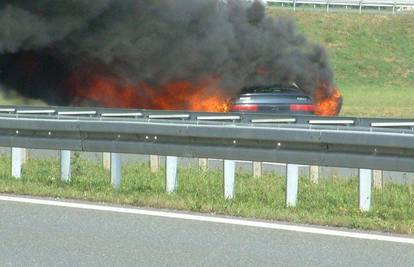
214 49
273 98
326 100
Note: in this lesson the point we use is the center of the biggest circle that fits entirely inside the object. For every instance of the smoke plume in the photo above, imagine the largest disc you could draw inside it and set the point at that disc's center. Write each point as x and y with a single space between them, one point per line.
48 47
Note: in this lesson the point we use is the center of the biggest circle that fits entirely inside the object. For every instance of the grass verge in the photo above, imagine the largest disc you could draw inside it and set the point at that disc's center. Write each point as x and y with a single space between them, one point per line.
331 202
371 56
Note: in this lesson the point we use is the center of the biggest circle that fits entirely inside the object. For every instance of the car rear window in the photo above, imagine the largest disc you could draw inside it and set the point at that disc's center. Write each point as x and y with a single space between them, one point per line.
268 89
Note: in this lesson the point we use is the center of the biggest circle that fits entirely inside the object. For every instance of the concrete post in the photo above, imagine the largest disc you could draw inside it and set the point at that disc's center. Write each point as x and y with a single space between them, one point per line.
365 179
292 181
16 156
65 165
314 174
155 163
377 179
116 170
106 161
171 174
203 164
229 178
257 169
25 155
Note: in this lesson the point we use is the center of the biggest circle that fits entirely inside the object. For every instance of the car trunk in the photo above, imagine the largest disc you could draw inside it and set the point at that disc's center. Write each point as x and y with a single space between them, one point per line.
281 102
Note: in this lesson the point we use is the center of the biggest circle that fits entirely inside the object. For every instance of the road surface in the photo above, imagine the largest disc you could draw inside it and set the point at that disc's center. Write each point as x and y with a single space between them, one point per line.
41 232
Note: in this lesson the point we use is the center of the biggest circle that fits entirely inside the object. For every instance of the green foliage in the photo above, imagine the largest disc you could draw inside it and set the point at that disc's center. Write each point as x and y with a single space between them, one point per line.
331 202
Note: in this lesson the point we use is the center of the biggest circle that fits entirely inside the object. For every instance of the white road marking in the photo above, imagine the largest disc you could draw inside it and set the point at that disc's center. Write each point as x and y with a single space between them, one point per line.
212 219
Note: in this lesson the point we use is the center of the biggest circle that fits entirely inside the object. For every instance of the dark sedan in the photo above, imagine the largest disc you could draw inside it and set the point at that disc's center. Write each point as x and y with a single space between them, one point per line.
273 99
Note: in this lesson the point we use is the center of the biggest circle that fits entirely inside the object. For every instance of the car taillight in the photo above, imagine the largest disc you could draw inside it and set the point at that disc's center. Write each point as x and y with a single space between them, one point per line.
245 108
303 108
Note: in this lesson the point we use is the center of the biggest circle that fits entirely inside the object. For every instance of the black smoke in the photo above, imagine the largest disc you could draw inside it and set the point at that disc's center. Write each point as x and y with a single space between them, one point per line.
44 43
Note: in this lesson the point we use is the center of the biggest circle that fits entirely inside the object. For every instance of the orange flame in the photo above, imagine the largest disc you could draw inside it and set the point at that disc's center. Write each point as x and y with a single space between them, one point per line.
106 91
327 100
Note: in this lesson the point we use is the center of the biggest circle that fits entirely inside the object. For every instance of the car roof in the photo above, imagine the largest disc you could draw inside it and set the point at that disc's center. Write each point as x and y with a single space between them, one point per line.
275 88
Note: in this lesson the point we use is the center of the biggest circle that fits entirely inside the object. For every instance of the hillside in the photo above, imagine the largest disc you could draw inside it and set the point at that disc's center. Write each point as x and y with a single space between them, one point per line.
372 56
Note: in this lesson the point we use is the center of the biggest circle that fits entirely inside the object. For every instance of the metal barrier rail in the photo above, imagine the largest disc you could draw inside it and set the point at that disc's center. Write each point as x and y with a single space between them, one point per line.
395 5
156 115
385 144
336 146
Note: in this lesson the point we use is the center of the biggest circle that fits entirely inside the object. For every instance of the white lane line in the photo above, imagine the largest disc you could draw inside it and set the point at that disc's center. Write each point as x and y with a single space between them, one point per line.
174 215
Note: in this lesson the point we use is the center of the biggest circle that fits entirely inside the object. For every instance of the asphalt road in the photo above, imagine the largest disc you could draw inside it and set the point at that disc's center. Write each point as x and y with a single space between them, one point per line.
41 235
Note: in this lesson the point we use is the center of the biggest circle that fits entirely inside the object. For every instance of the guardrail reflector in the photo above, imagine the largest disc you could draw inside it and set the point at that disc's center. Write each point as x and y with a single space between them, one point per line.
136 114
287 120
40 111
172 116
393 124
218 118
8 110
76 113
331 122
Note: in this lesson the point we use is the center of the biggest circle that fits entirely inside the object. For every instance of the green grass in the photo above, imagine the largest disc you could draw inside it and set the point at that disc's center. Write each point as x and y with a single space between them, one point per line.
12 98
372 56
332 202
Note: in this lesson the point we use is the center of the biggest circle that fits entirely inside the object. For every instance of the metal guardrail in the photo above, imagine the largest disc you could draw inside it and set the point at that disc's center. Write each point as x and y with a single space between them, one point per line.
384 144
365 143
157 115
396 5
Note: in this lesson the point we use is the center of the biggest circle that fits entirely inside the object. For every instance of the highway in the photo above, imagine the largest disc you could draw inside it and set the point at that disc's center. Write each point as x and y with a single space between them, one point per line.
41 232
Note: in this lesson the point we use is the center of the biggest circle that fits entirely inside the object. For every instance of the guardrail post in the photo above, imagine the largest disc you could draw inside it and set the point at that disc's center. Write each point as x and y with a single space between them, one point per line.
314 174
106 161
116 170
294 5
203 164
257 169
154 163
17 161
229 174
365 177
171 174
292 181
65 165
377 177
